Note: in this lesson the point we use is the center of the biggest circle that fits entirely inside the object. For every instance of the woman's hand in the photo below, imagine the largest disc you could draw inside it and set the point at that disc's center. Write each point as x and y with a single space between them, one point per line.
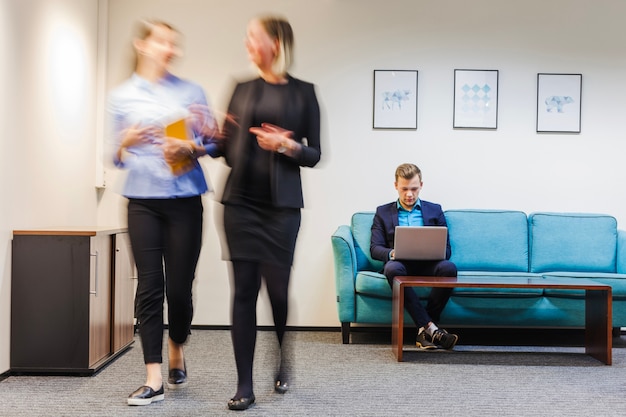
176 150
135 135
272 138
202 121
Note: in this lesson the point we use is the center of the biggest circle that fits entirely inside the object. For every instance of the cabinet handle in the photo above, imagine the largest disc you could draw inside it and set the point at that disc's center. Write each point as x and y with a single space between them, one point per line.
95 292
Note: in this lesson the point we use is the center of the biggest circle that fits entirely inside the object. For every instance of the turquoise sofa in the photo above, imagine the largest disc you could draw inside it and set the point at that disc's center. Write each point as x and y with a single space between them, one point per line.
502 243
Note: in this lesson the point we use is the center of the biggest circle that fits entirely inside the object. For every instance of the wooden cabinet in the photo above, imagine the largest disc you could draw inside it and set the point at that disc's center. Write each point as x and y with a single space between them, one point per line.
124 283
71 299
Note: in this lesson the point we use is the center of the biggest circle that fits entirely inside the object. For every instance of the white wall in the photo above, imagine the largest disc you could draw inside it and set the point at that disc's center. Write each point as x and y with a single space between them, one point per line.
47 113
338 45
47 151
7 73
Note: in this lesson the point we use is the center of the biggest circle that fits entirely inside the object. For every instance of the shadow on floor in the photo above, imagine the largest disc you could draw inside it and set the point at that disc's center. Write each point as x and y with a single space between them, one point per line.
489 337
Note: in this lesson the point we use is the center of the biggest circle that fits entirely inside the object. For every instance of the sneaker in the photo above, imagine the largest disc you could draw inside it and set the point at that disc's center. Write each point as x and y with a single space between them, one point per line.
444 339
423 341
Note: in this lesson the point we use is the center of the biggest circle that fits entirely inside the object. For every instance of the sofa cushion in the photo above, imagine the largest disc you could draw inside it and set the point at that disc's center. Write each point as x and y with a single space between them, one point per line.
361 226
575 242
621 252
372 283
488 240
616 281
497 292
376 285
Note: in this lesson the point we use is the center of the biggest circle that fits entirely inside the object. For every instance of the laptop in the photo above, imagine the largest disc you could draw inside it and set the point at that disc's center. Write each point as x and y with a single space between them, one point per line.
420 243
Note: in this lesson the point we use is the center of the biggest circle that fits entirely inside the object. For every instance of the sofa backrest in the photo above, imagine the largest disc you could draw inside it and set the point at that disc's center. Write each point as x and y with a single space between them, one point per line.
361 226
575 242
488 240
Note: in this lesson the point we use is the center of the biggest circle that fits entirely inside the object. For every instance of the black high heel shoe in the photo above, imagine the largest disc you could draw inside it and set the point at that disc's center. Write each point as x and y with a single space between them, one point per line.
240 404
281 386
177 378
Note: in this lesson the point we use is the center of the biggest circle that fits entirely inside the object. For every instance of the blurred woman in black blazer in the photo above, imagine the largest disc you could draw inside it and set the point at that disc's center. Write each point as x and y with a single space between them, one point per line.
272 129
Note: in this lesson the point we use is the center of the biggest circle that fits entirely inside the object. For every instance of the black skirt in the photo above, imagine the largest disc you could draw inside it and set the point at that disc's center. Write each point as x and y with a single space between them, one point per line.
261 233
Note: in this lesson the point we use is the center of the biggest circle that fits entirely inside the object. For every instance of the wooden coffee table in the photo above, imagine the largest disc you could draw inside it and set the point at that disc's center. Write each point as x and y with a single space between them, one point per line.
598 305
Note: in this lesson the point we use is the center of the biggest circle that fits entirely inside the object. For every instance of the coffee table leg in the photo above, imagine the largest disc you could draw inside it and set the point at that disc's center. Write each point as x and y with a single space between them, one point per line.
598 323
397 326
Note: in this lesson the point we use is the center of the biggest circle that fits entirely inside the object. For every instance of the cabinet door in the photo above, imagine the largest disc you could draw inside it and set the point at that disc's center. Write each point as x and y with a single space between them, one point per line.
100 298
124 281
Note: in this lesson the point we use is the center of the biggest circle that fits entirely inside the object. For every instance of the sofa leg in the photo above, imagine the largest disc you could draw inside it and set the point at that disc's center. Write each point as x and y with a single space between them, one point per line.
345 332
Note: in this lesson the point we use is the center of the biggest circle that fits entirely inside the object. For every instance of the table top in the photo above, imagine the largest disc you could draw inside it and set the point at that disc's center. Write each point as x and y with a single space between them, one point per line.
71 231
501 282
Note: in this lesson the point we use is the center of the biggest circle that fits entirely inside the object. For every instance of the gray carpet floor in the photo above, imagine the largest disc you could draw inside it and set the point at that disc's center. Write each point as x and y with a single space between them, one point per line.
332 379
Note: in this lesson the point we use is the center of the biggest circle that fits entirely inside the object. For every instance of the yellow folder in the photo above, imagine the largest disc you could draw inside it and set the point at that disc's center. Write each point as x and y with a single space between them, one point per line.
179 130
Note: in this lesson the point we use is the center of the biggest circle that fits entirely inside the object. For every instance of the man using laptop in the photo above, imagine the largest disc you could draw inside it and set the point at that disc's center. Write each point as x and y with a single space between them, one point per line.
409 210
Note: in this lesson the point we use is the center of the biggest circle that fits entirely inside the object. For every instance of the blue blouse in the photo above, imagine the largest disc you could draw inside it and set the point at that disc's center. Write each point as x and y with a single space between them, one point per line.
138 101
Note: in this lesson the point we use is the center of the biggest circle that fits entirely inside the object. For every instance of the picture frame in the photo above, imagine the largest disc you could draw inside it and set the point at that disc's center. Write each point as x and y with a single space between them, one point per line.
395 99
559 103
475 99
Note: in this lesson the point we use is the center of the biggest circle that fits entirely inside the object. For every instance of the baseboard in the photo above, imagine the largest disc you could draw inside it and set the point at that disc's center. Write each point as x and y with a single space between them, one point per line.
271 328
5 375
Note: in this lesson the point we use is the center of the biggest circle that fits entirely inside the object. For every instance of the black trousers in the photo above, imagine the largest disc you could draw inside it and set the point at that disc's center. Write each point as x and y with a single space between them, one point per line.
438 297
166 237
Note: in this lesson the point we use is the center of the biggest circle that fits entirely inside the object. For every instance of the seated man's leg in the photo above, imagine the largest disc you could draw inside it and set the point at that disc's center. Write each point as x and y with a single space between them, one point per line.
429 335
412 302
439 297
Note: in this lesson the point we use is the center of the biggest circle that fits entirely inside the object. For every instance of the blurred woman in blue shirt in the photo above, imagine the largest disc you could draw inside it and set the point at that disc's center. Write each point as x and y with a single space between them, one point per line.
164 185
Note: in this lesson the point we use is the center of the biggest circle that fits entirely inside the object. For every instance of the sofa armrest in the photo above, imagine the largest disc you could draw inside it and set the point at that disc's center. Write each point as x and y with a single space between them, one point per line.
345 272
620 261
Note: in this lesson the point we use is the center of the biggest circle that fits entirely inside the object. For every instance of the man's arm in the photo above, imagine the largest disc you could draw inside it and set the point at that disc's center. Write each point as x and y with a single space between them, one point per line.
433 216
380 248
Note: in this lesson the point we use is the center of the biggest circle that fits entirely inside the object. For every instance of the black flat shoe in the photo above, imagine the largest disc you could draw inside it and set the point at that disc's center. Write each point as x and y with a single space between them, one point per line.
145 395
241 403
177 378
281 387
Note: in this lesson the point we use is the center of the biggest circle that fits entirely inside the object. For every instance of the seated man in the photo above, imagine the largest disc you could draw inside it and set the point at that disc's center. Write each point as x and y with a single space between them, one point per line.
409 210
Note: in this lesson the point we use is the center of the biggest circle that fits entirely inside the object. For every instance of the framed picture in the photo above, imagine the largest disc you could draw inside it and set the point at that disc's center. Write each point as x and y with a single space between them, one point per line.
395 99
558 102
475 99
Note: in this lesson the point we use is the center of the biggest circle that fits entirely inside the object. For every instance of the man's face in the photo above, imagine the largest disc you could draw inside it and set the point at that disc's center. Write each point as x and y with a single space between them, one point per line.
408 191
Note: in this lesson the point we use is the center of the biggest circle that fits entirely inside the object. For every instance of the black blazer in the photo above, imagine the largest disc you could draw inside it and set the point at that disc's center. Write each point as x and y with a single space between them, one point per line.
386 220
301 115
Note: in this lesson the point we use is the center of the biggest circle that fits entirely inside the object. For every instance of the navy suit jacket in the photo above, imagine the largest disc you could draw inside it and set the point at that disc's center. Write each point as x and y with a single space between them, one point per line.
386 220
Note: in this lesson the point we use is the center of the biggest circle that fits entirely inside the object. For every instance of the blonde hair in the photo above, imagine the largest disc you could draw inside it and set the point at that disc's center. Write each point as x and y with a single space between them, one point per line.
279 28
408 171
144 29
